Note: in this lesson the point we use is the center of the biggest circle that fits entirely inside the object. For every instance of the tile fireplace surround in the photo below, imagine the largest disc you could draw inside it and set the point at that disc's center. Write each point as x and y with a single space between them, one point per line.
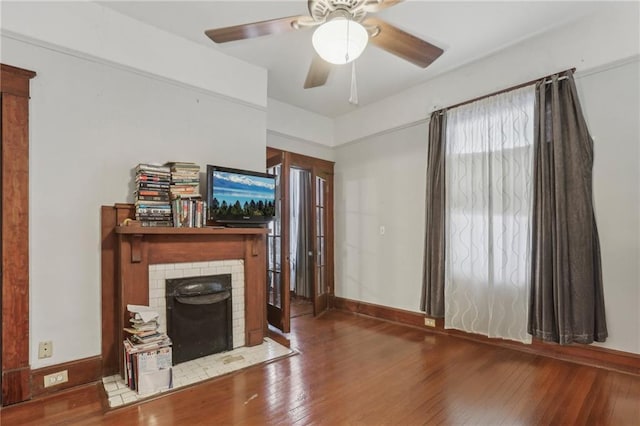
157 287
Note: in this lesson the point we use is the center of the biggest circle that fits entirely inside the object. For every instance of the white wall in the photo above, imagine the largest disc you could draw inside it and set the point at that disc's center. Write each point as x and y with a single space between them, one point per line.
105 35
387 159
289 120
297 130
299 146
90 124
611 104
380 182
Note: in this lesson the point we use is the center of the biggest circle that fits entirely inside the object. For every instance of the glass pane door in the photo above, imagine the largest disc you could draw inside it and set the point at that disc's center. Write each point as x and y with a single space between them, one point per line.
277 251
320 243
274 252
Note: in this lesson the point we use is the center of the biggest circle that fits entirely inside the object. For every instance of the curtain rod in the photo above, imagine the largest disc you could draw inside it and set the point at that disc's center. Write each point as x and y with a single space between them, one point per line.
508 89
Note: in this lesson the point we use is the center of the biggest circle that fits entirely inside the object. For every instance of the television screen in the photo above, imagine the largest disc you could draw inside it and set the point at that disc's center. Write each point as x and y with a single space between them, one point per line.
240 196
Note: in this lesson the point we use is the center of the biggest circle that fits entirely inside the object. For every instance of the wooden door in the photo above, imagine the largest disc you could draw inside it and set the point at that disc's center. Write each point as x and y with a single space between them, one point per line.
278 306
320 227
322 219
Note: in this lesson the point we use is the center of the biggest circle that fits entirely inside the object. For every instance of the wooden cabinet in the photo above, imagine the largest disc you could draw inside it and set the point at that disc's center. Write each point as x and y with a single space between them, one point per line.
14 84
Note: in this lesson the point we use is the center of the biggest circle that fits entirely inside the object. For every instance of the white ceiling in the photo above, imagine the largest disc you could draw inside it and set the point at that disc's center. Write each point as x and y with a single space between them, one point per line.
467 31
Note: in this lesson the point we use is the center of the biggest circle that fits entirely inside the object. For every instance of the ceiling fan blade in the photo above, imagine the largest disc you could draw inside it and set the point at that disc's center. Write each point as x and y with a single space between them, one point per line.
373 6
254 29
402 44
318 72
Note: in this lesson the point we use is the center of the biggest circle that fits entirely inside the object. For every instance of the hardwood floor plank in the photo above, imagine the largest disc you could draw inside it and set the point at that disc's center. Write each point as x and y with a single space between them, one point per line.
356 370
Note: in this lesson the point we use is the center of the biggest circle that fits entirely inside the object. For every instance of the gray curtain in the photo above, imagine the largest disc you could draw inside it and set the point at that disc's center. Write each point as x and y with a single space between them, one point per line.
567 303
300 238
432 300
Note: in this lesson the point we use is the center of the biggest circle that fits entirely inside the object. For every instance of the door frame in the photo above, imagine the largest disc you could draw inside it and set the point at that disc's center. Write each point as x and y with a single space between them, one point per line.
316 167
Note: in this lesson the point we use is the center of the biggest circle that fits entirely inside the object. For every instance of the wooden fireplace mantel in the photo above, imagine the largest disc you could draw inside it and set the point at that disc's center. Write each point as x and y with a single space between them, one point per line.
127 252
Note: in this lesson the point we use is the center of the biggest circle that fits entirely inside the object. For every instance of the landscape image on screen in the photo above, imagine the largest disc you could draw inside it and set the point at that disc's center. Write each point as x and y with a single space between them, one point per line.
242 195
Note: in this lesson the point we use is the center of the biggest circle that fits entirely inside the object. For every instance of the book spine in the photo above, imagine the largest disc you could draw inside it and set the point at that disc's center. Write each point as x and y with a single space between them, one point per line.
153 168
154 210
153 179
154 186
151 192
153 198
156 223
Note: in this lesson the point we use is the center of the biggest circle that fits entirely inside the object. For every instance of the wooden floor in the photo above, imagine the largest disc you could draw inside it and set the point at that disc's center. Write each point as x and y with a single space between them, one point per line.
357 370
300 306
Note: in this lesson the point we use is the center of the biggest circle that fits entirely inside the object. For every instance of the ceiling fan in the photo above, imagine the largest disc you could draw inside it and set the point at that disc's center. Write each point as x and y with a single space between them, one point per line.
342 34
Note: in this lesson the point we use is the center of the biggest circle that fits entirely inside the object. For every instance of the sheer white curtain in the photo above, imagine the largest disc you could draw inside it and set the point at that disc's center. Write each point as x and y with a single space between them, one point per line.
489 156
299 244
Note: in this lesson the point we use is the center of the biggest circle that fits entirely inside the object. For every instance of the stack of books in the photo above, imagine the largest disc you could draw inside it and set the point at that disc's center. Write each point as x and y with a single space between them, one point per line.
187 207
147 353
185 180
153 206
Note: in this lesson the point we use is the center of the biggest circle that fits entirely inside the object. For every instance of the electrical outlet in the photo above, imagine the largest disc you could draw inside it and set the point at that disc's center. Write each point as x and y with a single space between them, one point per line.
45 349
56 378
430 322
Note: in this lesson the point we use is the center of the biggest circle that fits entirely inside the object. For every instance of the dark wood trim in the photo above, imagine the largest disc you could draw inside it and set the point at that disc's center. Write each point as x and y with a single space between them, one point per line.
111 216
316 166
80 372
624 362
278 336
140 230
273 152
14 89
15 81
16 385
301 160
280 317
330 236
380 312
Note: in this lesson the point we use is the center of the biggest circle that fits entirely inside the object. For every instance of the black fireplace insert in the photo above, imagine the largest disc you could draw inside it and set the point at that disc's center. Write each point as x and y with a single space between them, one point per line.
199 320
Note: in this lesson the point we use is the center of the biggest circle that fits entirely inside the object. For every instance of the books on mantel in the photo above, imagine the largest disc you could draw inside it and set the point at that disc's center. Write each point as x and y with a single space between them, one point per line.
147 352
152 199
189 213
187 208
185 180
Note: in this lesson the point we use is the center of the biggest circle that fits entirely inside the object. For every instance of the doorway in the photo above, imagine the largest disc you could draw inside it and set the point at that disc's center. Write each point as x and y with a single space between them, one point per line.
300 244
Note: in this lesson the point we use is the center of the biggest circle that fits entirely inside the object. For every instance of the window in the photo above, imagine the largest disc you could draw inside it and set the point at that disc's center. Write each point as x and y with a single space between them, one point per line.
488 166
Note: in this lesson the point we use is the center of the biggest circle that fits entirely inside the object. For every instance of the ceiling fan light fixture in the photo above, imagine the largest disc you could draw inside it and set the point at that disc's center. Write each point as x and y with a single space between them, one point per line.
340 40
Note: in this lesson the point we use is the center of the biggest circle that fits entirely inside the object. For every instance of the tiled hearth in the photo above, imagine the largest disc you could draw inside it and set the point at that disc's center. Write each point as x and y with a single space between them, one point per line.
200 369
159 273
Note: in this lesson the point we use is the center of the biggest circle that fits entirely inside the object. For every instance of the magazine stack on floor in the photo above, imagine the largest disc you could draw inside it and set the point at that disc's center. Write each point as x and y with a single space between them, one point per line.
147 352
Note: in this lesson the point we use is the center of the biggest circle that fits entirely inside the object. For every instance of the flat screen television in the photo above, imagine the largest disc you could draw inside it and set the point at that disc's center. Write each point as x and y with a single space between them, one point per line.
240 197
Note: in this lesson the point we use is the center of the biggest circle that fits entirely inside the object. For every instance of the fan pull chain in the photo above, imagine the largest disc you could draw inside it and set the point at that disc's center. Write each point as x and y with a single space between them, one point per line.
346 51
353 99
